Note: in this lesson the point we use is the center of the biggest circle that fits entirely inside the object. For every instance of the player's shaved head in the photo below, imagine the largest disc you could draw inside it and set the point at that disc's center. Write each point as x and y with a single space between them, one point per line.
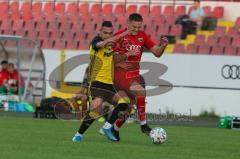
134 23
106 30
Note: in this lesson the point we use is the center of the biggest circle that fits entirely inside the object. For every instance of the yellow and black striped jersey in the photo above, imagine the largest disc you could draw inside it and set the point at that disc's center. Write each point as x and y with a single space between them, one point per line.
101 66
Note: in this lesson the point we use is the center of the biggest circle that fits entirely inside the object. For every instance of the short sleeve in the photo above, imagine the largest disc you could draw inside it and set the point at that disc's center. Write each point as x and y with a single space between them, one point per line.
148 42
95 41
202 13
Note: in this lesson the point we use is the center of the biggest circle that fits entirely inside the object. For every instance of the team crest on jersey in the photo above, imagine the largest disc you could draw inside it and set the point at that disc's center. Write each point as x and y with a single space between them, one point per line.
140 39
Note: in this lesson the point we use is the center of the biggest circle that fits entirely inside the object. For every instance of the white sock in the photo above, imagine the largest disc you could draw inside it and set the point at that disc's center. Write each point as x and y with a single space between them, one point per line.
143 122
79 134
107 125
116 127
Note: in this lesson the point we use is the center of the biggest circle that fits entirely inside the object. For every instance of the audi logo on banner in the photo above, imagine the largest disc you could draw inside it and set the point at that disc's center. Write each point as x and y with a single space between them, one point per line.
231 72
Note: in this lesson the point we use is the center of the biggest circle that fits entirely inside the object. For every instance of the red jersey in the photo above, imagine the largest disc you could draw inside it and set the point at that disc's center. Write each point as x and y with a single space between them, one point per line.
135 43
14 76
3 76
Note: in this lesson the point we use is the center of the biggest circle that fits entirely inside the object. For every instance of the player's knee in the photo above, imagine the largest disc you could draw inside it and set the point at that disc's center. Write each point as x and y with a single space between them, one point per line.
138 90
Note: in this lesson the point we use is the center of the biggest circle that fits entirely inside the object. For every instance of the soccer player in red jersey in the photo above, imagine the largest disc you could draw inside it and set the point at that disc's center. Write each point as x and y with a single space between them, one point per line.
129 51
3 76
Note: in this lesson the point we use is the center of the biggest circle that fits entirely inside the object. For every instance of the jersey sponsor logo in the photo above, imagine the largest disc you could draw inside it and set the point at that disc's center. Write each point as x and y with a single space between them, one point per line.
133 47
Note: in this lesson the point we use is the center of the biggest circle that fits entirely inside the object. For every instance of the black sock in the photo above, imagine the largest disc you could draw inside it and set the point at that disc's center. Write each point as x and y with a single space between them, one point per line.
87 121
116 111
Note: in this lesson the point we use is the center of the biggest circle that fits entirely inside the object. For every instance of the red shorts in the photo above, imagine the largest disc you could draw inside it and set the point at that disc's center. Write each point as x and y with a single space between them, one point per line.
123 79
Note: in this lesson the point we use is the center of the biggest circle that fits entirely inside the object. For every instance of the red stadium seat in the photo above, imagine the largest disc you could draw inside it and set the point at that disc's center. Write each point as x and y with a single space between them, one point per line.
159 20
179 48
29 25
199 40
230 50
119 9
15 16
72 44
220 31
170 20
156 11
25 7
80 35
144 10
168 11
233 32
131 9
207 10
60 8
41 25
19 32
96 8
47 43
55 34
14 7
225 40
84 44
217 50
236 41
218 12
3 7
48 7
238 51
180 10
191 48
237 23
31 34
37 7
26 16
38 16
72 8
212 40
43 34
50 17
65 26
111 18
54 25
4 16
176 30
163 29
68 35
204 49
17 24
107 9
84 8
6 24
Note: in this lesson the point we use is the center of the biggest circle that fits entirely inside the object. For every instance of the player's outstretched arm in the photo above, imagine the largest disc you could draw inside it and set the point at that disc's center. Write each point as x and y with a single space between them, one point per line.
158 50
111 40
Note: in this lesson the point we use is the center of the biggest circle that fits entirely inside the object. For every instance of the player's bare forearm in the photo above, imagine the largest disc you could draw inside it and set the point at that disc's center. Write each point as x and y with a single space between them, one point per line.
159 50
111 40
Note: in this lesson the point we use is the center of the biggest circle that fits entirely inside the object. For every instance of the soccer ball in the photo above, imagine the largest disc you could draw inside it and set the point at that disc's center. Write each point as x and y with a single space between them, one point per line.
158 135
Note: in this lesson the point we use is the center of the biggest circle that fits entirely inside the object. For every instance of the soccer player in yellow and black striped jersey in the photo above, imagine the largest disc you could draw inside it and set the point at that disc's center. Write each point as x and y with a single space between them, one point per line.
100 76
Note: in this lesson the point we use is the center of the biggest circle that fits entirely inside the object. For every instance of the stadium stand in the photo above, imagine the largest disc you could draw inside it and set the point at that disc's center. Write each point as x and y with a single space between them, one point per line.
48 20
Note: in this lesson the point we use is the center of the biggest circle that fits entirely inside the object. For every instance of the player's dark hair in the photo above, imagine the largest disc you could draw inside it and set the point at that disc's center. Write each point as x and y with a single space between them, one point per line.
135 17
107 24
197 1
4 62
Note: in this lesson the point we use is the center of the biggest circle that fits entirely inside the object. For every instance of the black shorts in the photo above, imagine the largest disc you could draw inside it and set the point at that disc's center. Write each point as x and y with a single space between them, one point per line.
103 90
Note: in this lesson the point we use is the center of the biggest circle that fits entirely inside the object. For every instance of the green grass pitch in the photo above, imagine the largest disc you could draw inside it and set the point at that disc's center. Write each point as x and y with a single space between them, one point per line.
26 138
